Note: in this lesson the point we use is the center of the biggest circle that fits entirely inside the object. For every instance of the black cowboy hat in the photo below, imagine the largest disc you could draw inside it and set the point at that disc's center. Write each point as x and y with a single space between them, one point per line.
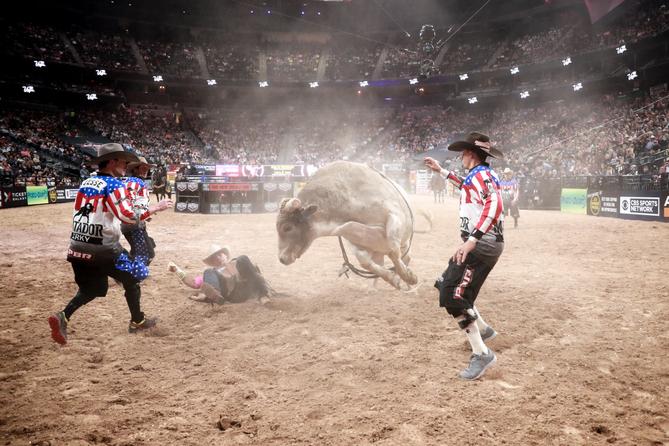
477 141
112 151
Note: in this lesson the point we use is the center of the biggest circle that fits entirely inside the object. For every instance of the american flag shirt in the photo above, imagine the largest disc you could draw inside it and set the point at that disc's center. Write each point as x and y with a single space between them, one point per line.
509 189
138 194
481 208
101 205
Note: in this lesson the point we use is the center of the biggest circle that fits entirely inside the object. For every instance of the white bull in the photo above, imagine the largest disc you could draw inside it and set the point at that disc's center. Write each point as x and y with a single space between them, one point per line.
357 203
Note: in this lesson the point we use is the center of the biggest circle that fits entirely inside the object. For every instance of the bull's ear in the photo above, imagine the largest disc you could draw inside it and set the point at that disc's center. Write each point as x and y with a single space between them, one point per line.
309 211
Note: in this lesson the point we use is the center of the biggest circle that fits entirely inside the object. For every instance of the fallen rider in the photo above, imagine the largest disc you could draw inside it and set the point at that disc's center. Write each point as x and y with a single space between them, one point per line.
226 280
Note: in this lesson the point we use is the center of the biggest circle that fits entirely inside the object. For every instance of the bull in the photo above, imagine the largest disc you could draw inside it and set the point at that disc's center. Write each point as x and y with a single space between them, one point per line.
358 204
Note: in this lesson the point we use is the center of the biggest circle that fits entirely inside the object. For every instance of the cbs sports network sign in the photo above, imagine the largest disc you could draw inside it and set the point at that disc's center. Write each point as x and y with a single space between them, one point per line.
646 207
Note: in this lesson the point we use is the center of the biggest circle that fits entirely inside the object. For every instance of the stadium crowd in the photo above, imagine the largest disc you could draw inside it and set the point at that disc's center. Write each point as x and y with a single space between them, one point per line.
344 58
550 140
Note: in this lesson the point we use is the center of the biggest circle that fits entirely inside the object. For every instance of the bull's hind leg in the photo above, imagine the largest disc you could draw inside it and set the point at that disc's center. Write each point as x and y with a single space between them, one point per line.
394 237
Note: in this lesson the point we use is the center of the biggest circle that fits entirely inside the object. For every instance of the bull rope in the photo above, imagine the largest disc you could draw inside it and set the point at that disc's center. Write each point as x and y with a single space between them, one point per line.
348 266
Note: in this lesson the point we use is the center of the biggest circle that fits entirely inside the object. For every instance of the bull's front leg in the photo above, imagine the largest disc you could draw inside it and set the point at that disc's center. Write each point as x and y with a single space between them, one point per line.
394 238
369 243
366 260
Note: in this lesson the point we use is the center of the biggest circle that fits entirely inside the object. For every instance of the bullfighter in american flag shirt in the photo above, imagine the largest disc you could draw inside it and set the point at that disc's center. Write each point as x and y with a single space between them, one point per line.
481 230
95 251
141 245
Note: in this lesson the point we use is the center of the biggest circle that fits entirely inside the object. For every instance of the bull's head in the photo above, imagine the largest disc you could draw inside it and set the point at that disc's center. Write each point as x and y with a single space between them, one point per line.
295 228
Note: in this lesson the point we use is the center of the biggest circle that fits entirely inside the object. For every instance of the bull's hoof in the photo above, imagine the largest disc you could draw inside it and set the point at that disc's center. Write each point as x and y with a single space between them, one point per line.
412 278
396 281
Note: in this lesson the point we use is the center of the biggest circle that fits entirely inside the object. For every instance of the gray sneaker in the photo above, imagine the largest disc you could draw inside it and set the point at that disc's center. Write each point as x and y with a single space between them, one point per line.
478 364
488 334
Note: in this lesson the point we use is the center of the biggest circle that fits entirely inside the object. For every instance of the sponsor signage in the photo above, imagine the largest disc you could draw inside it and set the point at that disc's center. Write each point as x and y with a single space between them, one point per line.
256 170
278 170
393 167
223 187
642 205
187 206
253 170
602 204
205 169
227 170
53 194
188 189
665 205
573 201
284 170
14 196
423 178
71 194
37 195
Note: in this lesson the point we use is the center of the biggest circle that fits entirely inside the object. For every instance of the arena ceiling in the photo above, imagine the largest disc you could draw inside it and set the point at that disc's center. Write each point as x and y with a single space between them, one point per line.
299 15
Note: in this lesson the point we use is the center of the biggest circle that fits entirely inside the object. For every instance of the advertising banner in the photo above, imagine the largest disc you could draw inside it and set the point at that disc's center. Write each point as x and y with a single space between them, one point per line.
190 189
225 187
37 195
65 194
14 196
602 204
642 205
665 206
189 206
573 201
205 169
423 181
278 170
284 170
53 194
228 170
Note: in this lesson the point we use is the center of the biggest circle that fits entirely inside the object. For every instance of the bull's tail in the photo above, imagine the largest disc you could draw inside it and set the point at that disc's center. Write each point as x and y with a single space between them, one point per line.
428 217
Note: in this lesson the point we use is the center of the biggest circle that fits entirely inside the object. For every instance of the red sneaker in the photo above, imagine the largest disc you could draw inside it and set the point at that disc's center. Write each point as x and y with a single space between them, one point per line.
58 324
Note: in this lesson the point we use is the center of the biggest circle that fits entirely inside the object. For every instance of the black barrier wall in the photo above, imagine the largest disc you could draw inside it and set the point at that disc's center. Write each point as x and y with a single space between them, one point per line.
217 196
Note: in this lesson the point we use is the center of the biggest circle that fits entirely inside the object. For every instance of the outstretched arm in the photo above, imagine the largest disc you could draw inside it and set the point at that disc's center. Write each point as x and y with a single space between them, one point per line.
434 165
189 280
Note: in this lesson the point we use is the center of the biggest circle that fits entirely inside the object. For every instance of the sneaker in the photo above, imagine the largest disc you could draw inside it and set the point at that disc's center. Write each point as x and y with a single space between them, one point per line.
58 324
488 334
134 327
478 364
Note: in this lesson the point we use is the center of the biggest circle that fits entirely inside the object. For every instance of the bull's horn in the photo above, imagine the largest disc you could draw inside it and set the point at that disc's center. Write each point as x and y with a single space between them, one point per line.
282 205
290 204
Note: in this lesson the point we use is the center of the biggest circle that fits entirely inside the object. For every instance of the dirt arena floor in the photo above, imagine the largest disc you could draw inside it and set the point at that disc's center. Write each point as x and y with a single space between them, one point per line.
580 304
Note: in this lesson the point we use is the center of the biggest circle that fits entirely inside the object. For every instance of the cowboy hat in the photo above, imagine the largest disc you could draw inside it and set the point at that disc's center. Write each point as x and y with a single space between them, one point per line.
112 151
214 250
476 141
140 161
507 170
